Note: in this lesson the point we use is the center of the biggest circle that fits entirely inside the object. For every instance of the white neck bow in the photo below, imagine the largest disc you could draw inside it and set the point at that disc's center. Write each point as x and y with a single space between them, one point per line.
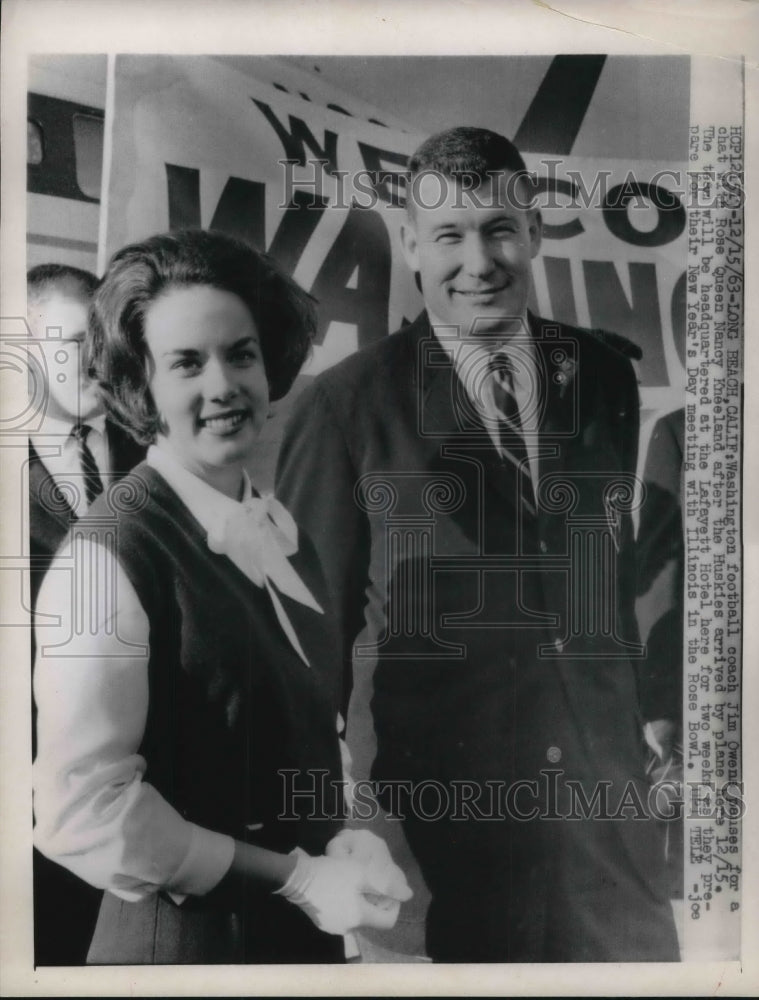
258 537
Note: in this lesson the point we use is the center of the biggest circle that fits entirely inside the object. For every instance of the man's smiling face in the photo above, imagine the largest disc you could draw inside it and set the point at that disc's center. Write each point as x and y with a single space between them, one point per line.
473 250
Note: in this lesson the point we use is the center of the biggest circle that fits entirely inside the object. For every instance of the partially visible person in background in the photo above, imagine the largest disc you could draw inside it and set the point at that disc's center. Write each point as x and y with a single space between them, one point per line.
189 761
73 455
659 606
76 451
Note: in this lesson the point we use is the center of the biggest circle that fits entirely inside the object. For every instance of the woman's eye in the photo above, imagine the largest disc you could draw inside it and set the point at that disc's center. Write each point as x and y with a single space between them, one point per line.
447 238
245 357
186 365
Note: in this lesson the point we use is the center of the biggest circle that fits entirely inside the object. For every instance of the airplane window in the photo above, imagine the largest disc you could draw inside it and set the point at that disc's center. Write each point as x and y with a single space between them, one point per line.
35 147
88 143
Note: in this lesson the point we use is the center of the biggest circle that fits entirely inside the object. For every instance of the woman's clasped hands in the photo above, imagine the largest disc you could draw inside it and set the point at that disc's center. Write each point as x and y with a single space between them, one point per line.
355 883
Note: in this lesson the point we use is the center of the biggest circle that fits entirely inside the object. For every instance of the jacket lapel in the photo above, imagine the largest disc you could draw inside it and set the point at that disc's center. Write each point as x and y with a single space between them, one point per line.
557 362
59 512
50 518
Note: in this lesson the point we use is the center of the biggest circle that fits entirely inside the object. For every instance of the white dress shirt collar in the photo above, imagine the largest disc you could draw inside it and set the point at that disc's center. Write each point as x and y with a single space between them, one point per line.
54 430
55 426
206 504
59 453
467 354
470 362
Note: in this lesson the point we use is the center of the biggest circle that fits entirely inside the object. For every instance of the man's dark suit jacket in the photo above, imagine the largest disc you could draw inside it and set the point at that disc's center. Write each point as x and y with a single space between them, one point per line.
65 907
508 636
661 569
50 519
661 562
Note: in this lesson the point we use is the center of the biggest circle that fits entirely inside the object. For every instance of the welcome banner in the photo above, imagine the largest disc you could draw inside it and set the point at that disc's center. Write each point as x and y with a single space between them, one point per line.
192 142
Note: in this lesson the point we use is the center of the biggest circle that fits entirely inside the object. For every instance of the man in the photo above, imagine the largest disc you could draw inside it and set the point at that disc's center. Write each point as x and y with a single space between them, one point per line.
73 455
75 452
468 484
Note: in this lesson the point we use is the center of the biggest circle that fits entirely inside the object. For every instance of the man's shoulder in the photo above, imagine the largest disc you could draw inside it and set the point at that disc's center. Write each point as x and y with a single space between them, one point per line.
40 480
670 427
373 371
605 345
34 459
49 516
388 350
37 475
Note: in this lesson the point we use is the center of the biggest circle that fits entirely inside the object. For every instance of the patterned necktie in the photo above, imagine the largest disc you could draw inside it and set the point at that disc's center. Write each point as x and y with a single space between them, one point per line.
93 484
513 447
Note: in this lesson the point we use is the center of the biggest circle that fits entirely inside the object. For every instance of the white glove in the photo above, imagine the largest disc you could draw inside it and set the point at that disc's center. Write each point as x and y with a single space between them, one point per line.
373 854
661 735
331 891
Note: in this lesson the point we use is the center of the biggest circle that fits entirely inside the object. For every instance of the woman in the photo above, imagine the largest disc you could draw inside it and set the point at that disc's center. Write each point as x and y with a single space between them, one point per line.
188 760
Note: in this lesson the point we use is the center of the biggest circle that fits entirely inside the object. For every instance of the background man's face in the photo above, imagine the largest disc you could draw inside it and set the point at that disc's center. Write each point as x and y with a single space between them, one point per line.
71 395
473 251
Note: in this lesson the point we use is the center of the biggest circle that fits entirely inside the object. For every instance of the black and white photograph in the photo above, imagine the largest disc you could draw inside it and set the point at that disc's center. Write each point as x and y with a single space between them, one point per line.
377 493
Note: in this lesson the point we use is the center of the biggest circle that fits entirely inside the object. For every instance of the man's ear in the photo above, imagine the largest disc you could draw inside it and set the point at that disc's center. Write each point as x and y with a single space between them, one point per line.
535 229
410 245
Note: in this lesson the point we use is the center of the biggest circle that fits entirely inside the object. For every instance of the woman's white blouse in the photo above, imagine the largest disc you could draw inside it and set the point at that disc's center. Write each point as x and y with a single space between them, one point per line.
94 813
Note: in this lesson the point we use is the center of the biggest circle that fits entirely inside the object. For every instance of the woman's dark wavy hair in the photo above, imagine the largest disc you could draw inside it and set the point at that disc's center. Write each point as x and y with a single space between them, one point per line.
117 354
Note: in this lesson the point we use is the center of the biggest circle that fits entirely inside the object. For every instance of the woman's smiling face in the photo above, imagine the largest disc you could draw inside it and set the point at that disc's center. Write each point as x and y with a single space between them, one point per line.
208 380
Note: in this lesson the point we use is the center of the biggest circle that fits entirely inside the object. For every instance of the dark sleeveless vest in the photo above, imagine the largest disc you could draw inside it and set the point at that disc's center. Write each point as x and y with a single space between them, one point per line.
237 721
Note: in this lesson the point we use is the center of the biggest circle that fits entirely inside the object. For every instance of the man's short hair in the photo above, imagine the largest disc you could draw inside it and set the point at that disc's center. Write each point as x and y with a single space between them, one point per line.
45 280
465 151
